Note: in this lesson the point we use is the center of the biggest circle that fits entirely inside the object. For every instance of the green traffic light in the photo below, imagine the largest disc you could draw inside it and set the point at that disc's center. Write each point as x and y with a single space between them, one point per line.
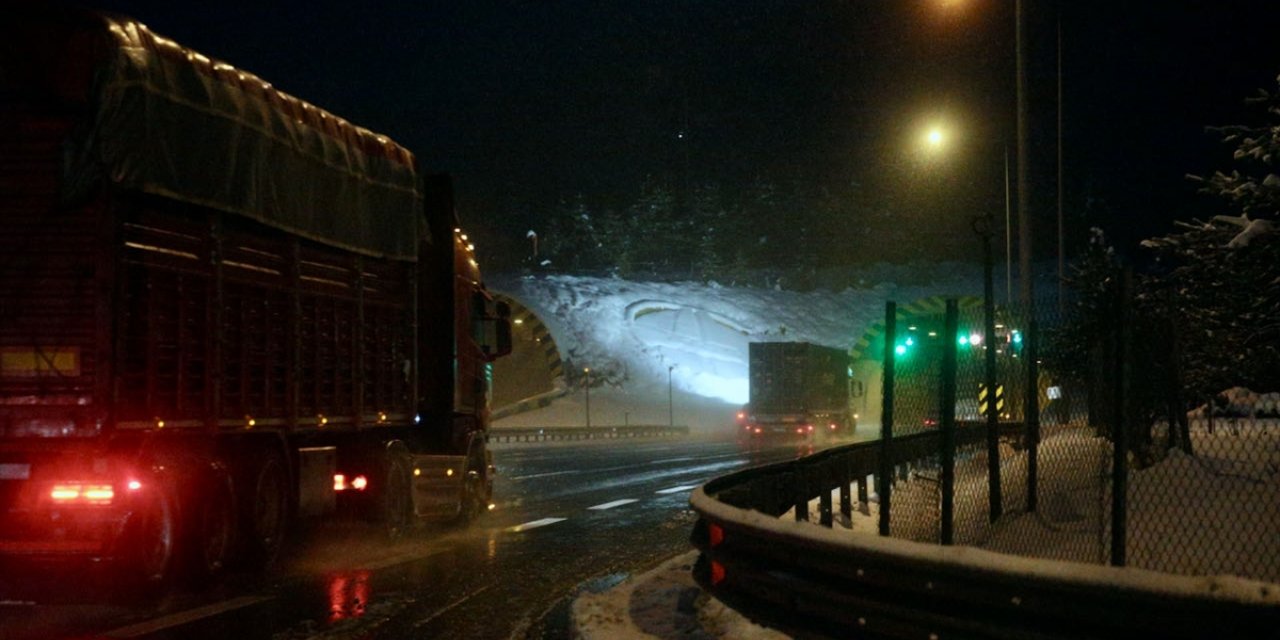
900 349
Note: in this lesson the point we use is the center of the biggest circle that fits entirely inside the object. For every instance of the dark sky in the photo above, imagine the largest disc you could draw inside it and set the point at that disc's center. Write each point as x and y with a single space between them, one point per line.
526 102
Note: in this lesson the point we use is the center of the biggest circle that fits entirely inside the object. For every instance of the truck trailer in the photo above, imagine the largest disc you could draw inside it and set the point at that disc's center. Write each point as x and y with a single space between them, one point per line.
798 390
222 310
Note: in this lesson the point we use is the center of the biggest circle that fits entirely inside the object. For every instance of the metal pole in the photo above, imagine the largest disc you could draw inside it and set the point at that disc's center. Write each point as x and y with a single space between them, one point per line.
948 419
671 412
1032 413
995 502
884 478
1120 426
1062 301
1024 165
587 371
1008 234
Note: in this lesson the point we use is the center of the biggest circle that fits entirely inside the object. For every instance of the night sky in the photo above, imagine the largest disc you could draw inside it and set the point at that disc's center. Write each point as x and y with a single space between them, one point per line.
529 102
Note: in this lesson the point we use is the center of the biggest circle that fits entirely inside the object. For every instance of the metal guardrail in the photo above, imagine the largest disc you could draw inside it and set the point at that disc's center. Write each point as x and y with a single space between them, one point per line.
812 580
549 434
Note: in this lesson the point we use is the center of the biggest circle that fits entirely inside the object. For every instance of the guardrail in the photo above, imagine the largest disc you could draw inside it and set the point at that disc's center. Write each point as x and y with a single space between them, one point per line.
549 434
810 580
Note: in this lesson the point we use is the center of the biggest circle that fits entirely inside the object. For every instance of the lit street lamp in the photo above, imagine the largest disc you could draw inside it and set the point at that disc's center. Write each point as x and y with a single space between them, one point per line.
983 225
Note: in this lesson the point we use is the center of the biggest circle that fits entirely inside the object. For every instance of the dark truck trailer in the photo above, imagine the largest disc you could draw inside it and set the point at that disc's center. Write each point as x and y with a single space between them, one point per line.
797 389
221 309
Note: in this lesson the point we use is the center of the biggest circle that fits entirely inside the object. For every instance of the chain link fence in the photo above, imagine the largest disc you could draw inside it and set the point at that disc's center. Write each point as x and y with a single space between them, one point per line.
1080 449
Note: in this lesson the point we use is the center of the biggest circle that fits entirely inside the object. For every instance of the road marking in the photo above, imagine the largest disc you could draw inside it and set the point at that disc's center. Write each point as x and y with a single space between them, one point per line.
686 487
547 474
615 503
684 459
534 524
183 617
451 606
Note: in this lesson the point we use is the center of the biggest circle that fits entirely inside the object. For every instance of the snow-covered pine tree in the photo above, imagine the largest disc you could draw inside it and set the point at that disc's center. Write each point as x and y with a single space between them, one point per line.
1222 278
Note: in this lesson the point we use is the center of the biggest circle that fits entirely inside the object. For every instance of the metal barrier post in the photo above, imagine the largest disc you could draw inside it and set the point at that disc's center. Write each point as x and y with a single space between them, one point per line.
948 420
884 478
995 501
800 494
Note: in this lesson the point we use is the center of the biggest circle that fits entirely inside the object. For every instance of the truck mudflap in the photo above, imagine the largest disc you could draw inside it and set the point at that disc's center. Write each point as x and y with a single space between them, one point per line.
438 483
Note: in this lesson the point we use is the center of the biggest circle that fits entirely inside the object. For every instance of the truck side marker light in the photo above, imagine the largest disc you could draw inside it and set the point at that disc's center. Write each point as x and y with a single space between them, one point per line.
250 422
360 483
159 423
321 420
492 506
717 573
382 417
339 482
448 472
417 472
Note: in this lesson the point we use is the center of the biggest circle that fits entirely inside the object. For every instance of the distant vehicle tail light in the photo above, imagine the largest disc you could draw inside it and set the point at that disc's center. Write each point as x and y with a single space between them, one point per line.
759 430
76 493
340 482
808 427
832 426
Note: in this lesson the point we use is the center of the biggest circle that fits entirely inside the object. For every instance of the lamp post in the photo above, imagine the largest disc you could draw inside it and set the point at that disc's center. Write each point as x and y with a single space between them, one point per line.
587 371
671 413
983 225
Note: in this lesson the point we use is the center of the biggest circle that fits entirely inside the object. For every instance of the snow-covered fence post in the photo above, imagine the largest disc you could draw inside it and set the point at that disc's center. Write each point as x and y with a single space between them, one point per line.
884 477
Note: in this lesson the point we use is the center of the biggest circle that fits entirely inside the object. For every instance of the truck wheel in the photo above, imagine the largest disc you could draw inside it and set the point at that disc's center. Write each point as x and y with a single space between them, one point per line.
264 510
152 539
213 530
475 499
397 498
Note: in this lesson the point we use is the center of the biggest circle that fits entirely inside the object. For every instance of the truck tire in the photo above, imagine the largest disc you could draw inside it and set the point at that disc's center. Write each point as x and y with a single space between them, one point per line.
150 550
264 510
397 512
475 497
212 530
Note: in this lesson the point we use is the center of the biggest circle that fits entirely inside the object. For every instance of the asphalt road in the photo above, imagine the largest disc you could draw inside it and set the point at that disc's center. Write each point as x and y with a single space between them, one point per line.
569 516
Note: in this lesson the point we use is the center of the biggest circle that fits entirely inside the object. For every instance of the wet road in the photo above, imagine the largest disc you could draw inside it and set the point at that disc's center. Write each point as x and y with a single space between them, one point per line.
568 516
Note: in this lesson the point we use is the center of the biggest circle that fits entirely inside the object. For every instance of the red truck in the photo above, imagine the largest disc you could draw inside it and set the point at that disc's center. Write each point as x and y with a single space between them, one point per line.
222 310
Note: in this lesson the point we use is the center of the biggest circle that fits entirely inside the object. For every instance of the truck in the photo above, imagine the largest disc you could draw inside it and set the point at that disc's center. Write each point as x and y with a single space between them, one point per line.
797 390
224 311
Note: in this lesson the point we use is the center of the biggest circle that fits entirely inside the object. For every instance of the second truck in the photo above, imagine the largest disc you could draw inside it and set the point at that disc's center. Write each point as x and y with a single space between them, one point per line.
797 390
222 310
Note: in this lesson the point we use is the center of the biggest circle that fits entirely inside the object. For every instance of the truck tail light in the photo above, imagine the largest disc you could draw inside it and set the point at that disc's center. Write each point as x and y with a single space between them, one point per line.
340 482
79 493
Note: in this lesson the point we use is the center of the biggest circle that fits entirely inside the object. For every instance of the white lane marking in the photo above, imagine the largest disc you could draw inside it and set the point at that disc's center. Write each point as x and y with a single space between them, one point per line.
183 617
451 606
615 503
534 524
684 459
547 474
686 487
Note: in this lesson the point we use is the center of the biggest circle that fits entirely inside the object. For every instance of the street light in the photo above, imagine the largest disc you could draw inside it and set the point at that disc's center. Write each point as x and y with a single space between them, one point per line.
588 371
983 226
671 414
